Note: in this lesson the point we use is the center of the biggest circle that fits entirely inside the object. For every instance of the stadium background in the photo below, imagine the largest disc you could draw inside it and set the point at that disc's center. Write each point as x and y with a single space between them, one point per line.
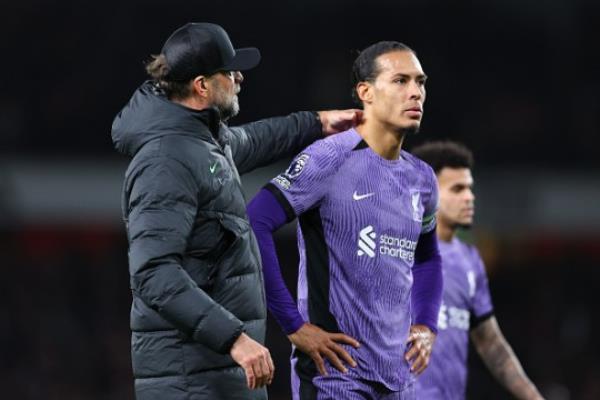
517 81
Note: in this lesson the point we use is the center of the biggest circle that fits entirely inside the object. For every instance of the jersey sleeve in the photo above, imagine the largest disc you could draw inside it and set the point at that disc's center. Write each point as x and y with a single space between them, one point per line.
306 181
266 215
430 205
482 306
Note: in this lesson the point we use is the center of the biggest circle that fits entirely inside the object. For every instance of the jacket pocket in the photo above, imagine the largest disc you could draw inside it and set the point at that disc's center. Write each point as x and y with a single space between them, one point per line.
201 270
234 229
213 241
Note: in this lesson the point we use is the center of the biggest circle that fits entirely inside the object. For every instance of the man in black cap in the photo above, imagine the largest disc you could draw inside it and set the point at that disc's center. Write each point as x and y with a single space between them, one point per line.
198 313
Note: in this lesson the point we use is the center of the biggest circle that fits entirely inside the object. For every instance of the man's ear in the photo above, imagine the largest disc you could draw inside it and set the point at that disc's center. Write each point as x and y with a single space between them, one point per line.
364 91
200 86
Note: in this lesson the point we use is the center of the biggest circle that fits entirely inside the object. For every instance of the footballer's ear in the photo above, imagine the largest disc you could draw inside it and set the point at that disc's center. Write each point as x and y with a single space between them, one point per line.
364 91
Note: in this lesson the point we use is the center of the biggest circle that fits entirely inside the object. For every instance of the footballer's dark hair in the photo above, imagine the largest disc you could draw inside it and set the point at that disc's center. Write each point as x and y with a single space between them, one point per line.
442 154
365 67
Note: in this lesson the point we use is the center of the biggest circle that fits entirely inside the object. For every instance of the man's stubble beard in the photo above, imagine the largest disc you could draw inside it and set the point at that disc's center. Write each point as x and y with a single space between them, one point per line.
229 109
228 106
410 130
464 227
453 224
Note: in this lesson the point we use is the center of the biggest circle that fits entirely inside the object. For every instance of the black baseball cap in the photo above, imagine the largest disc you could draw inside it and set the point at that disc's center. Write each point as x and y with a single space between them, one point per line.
201 48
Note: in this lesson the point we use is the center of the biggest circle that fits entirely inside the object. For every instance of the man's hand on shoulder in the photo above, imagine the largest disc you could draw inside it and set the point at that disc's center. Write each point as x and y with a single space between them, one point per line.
317 343
335 121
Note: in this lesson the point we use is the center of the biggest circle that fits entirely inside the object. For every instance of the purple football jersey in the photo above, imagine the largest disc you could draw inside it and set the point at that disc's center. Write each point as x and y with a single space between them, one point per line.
360 217
466 298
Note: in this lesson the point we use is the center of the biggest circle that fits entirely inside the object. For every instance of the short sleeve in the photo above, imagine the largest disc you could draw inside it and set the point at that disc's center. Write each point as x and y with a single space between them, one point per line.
431 204
306 181
481 298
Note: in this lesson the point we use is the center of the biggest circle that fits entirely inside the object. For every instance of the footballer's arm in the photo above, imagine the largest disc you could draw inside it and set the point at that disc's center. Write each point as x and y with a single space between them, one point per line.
502 362
267 215
426 299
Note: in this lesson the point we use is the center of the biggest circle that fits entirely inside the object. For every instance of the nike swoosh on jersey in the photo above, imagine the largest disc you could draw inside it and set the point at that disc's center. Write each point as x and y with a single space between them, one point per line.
357 196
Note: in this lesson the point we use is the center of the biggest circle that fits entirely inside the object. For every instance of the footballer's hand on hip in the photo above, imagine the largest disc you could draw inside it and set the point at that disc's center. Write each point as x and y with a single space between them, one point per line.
420 343
255 360
319 344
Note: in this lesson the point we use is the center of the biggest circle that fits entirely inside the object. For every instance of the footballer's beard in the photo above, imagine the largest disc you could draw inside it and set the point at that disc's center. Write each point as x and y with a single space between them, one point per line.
411 130
404 131
465 227
461 225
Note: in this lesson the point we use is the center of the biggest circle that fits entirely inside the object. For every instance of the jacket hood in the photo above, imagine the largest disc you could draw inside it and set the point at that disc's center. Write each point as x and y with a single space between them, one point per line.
149 115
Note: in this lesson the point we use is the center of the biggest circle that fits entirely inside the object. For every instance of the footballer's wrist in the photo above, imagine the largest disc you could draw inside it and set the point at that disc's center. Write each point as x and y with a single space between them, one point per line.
429 325
294 326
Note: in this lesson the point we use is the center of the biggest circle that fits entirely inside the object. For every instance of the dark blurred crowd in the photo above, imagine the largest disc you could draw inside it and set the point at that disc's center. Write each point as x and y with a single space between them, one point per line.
65 303
516 81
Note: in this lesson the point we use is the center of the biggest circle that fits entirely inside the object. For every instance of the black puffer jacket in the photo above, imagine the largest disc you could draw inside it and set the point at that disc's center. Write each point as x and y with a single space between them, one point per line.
194 263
